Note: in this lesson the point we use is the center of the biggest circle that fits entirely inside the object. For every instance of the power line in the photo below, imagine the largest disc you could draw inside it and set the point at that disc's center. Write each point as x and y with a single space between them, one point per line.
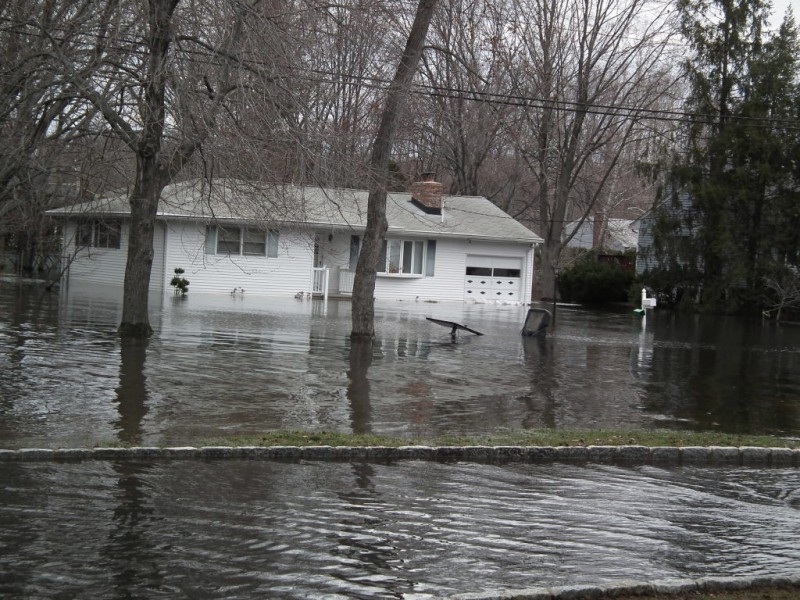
517 100
497 98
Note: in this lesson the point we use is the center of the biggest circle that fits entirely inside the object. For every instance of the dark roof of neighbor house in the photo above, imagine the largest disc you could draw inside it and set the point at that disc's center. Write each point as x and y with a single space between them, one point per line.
247 202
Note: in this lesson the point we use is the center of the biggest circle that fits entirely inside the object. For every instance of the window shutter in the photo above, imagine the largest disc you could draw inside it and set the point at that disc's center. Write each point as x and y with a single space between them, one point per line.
430 258
381 266
272 244
211 239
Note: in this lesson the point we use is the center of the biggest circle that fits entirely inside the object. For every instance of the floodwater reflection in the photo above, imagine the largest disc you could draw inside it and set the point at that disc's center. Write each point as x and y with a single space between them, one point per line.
132 390
358 388
537 359
130 554
219 365
260 529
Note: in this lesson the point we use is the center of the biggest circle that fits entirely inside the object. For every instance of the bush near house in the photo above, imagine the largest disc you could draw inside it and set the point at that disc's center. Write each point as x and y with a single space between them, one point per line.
590 281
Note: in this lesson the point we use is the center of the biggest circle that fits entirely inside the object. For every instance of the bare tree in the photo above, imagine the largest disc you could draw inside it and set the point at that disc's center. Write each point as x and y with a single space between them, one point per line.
137 68
452 116
781 291
344 65
363 308
590 72
44 129
307 107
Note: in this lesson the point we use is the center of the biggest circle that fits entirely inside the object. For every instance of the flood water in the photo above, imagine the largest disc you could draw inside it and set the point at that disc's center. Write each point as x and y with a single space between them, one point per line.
414 530
253 529
220 365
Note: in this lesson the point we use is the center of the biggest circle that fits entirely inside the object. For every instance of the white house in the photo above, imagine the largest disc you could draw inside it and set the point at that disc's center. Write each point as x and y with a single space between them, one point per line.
281 240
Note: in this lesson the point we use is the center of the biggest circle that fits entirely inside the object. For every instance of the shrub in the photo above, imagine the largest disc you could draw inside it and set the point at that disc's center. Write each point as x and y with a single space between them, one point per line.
181 284
592 282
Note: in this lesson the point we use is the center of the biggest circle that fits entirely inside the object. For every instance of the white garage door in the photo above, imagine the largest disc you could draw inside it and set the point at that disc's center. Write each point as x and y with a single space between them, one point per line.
493 278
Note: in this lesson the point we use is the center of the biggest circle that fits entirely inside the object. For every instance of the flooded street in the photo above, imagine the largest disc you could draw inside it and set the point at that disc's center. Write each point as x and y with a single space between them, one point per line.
409 529
220 365
405 530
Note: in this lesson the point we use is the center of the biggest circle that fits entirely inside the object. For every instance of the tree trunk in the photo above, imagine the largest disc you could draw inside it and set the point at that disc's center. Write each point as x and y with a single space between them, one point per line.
144 207
363 307
547 280
150 176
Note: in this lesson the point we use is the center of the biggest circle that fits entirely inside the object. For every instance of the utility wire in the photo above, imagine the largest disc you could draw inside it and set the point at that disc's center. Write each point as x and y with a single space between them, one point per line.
505 99
510 99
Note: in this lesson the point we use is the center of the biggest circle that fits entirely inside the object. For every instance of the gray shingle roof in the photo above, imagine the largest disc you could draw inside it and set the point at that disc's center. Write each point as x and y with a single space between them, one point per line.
240 201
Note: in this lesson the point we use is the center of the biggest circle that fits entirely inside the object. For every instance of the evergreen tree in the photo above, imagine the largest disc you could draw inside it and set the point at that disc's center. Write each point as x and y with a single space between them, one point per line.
762 141
740 167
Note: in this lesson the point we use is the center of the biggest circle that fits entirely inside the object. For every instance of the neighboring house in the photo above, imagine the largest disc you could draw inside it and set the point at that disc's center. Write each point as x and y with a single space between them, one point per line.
614 234
645 255
675 208
282 240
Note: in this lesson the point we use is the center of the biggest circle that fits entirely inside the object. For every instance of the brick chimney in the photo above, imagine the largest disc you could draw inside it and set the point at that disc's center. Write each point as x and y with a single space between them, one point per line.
428 192
598 229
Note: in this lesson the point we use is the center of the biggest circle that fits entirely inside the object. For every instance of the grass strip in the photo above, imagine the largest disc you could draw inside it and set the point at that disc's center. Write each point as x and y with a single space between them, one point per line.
527 437
758 593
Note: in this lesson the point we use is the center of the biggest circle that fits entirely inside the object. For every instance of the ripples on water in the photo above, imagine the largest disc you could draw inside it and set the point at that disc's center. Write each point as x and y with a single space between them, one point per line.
228 365
248 529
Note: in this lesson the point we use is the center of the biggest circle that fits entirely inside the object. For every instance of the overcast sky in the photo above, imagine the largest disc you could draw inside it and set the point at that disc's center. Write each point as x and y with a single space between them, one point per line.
779 10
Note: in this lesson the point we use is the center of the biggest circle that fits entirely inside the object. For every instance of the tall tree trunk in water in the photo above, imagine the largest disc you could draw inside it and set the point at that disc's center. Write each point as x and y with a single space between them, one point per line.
151 177
144 206
363 309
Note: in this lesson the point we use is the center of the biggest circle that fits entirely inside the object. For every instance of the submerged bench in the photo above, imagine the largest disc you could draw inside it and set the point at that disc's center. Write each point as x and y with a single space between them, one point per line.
455 327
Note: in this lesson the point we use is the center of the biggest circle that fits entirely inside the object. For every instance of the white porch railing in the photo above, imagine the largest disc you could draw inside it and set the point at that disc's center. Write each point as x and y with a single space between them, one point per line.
319 281
346 277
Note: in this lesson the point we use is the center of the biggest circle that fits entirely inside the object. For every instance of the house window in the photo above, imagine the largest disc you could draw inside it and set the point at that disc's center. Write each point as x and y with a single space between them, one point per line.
99 234
254 243
400 257
238 240
506 272
85 235
228 240
493 272
406 257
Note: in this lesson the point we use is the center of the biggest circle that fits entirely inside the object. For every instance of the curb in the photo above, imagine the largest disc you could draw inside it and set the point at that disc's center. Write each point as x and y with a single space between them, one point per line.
633 588
660 456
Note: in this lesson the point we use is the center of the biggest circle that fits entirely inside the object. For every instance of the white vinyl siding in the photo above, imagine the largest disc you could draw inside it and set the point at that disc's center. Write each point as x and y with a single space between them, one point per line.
289 271
106 266
285 273
445 282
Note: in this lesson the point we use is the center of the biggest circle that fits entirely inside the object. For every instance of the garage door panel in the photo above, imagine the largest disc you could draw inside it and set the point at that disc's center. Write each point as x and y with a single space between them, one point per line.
506 284
493 278
502 262
479 261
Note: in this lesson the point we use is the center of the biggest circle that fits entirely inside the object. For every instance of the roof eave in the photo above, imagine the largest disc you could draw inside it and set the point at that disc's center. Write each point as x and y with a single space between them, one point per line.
470 236
308 224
